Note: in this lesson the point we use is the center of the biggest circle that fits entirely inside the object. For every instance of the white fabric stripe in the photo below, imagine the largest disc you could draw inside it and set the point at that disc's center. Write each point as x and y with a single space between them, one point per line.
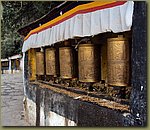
115 19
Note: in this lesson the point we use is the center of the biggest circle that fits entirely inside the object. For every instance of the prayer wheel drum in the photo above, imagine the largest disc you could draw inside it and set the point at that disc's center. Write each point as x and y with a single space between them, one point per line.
50 61
66 62
118 61
39 63
89 62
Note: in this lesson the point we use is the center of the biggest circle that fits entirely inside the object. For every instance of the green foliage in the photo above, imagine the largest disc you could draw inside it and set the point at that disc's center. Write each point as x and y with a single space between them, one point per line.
17 14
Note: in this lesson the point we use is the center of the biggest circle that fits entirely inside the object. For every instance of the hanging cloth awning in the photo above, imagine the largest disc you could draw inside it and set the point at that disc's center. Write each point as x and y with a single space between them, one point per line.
84 20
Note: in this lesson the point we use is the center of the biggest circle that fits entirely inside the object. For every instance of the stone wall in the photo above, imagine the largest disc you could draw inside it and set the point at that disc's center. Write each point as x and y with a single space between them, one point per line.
45 107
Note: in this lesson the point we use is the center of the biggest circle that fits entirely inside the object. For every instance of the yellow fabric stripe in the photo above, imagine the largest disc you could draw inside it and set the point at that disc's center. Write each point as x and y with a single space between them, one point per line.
72 11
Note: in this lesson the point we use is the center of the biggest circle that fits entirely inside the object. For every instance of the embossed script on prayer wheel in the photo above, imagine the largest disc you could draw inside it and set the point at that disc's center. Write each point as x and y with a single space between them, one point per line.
66 62
50 61
39 63
118 61
89 63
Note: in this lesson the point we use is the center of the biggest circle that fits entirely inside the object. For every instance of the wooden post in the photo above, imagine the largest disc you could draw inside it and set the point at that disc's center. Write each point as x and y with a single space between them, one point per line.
104 62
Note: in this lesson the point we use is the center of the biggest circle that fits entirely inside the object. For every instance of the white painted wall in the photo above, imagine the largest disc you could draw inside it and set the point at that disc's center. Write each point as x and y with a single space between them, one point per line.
30 111
21 63
53 119
42 117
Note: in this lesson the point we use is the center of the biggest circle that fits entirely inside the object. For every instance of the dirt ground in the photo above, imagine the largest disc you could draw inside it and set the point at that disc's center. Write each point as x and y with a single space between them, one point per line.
12 100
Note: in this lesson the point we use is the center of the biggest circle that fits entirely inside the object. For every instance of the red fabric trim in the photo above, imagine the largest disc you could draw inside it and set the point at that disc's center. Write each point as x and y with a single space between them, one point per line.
82 12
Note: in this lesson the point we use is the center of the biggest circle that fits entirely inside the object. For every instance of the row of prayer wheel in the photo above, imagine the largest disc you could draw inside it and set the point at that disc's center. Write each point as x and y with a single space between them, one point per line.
89 62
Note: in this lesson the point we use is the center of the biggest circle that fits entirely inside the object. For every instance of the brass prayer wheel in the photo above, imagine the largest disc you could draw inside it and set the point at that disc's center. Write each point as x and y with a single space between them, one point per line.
50 61
118 61
39 63
89 62
66 62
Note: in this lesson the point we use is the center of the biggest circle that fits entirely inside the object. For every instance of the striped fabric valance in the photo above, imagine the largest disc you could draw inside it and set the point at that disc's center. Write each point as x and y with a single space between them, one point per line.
84 20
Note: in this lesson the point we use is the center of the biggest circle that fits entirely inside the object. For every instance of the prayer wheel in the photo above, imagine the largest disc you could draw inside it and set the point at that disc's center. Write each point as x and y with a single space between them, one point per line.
89 62
39 63
66 62
50 61
118 61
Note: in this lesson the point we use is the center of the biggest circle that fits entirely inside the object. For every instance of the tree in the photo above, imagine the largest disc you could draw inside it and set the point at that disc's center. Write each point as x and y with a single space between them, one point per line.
17 14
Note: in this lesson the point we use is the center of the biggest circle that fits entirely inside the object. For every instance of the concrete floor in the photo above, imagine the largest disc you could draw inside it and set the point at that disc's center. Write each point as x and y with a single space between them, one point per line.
12 94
